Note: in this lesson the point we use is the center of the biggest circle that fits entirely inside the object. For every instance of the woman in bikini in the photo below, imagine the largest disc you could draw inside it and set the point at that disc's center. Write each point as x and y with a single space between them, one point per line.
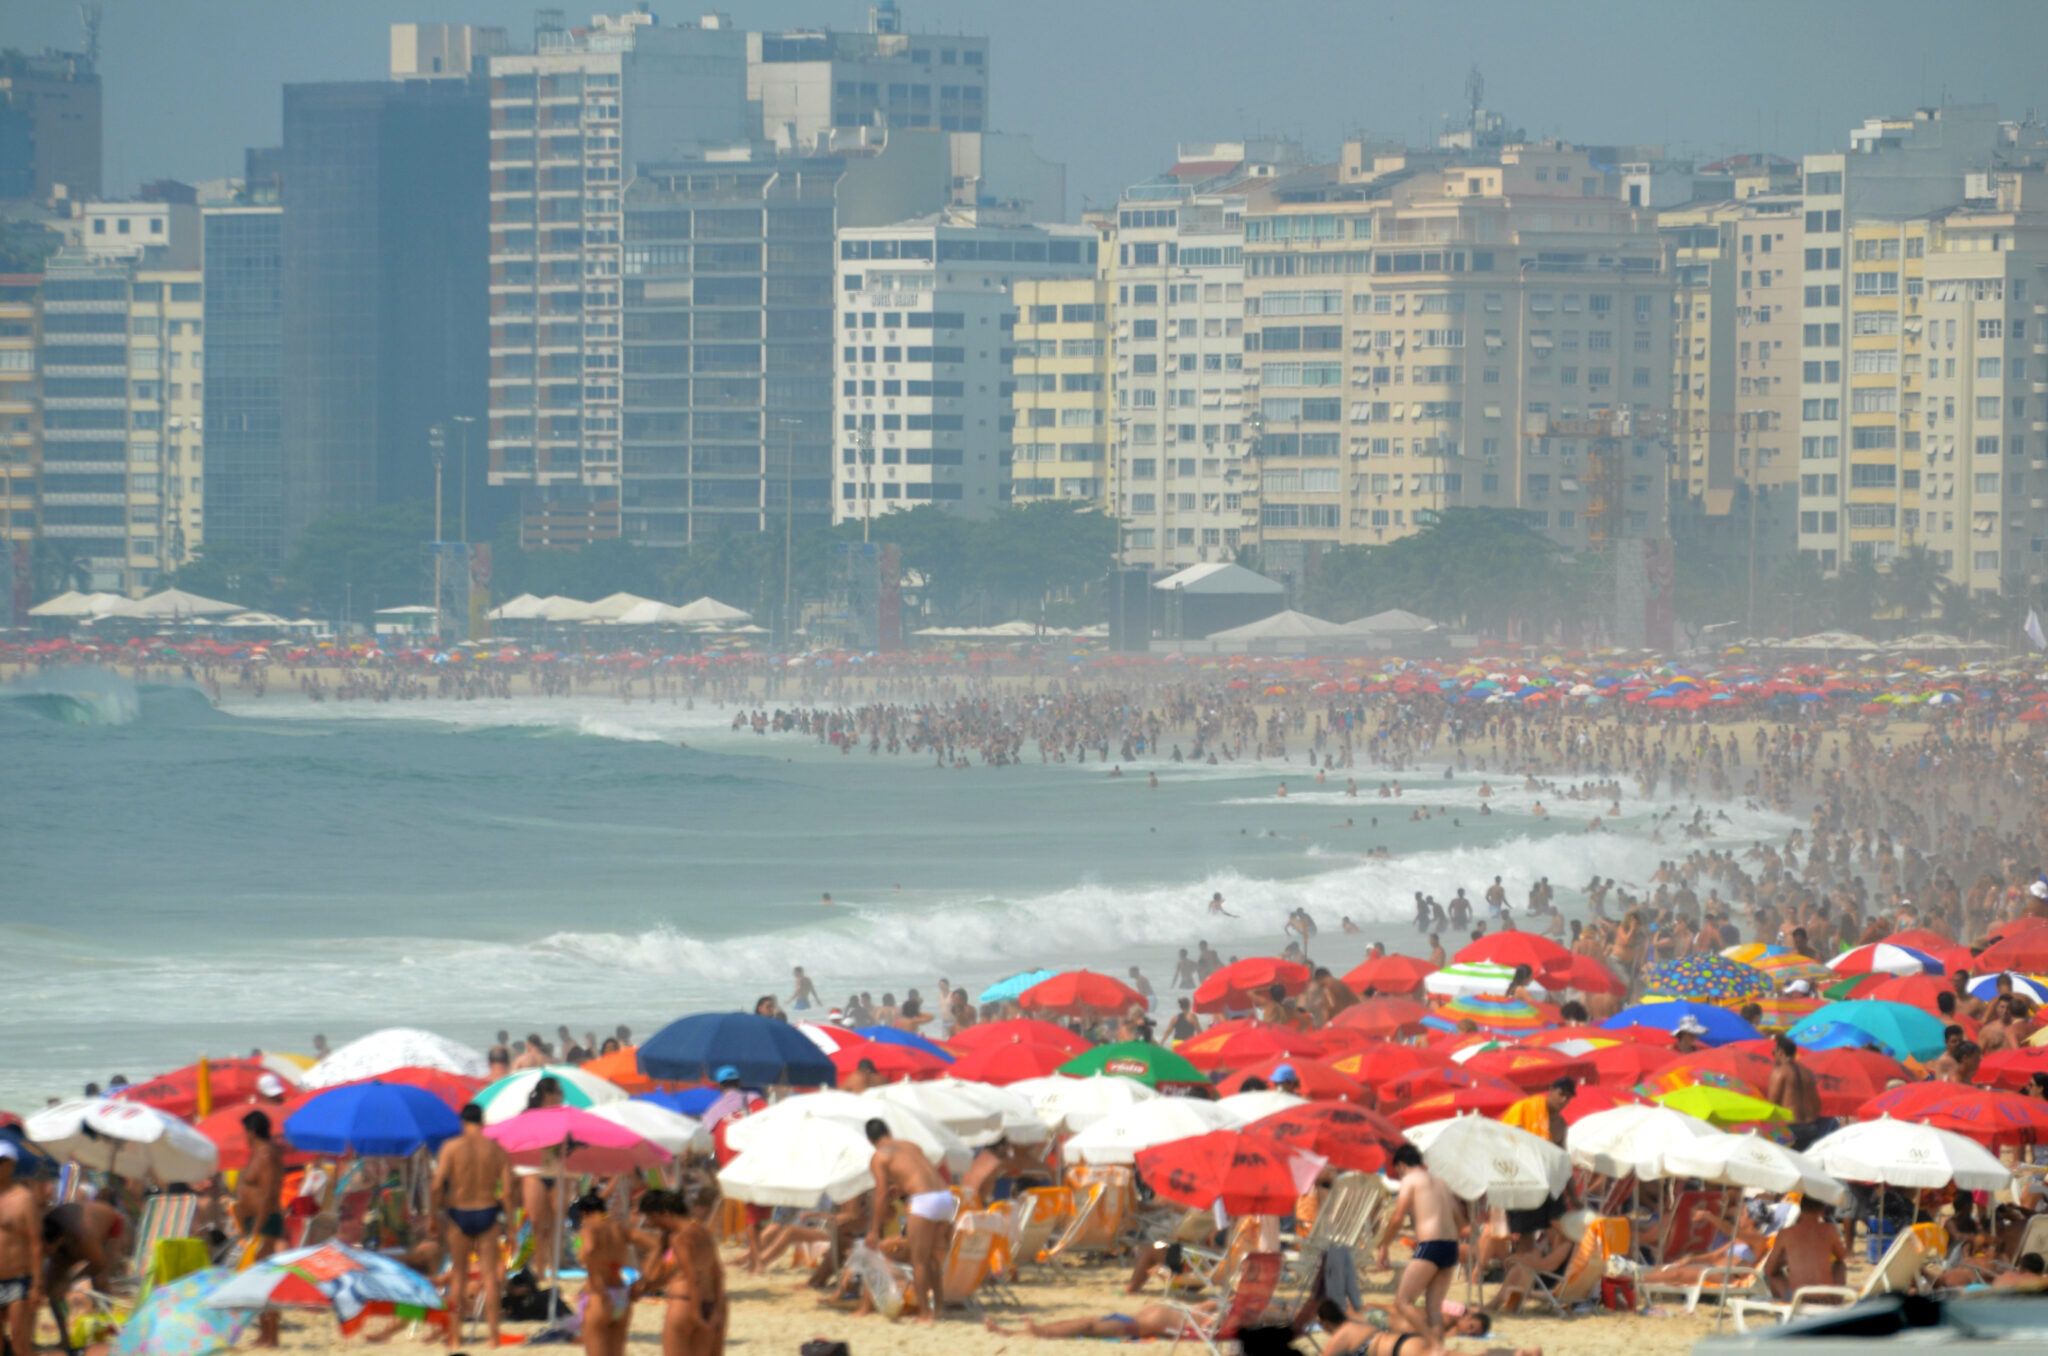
688 1271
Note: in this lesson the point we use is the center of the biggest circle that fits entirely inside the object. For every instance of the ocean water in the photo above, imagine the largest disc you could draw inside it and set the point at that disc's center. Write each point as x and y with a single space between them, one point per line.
178 880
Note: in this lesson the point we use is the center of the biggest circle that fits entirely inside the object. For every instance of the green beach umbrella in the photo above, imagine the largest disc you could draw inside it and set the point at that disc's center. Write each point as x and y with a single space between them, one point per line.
1153 1065
1722 1106
506 1098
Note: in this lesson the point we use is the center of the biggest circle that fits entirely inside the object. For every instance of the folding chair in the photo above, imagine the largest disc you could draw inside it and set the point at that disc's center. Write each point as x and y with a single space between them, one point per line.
1898 1271
1581 1275
1041 1213
967 1266
1349 1218
2033 1238
1098 1225
1250 1295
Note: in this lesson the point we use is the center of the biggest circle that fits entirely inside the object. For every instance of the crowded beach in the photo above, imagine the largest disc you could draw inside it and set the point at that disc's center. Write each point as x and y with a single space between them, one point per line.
1774 1078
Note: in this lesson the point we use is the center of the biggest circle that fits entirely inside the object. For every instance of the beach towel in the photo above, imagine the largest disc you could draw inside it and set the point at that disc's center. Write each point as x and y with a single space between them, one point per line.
1340 1279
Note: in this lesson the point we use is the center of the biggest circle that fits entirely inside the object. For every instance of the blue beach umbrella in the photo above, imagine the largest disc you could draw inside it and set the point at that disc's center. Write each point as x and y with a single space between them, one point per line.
376 1120
1904 1032
1007 990
889 1035
764 1051
1722 1026
688 1102
2026 986
1833 1036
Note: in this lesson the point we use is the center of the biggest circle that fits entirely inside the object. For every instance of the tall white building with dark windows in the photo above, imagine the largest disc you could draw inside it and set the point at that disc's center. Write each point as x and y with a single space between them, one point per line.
926 314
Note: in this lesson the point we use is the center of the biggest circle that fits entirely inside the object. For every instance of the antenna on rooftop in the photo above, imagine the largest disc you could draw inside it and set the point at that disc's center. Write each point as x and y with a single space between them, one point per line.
89 19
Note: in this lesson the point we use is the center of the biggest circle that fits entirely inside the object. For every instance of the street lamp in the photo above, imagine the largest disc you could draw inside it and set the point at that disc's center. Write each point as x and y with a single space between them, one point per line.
437 448
788 518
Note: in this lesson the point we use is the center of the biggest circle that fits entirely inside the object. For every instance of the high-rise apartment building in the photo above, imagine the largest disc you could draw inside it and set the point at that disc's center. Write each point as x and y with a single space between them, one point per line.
569 126
1181 433
1896 170
383 290
1062 390
20 417
49 126
245 465
444 51
926 317
818 89
123 389
1494 334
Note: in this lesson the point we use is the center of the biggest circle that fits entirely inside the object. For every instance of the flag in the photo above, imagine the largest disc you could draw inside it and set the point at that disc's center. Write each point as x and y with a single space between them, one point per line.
2034 632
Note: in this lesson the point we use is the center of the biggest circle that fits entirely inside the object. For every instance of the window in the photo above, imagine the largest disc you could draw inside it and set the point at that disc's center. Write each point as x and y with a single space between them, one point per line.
1987 368
1984 562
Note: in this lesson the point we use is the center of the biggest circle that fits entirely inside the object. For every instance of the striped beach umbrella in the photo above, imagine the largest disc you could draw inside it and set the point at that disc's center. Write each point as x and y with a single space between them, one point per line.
506 1098
1781 964
1467 978
1491 1012
1884 958
1714 978
2033 988
1780 1013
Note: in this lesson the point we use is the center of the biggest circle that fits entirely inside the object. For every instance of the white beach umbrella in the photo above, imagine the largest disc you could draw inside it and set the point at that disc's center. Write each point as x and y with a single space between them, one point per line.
1907 1154
672 1130
1467 978
800 1162
944 1101
1245 1107
128 1138
940 1145
397 1047
1633 1139
1750 1161
1077 1103
1117 1138
1477 1157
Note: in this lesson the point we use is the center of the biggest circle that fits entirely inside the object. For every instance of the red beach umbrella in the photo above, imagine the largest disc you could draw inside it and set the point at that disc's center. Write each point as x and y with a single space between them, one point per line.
1383 1016
1251 1174
1241 985
1002 1064
1985 1115
1233 1045
1390 974
1027 1029
889 1060
1383 1063
1350 1137
1530 1068
1080 993
1319 1082
1514 948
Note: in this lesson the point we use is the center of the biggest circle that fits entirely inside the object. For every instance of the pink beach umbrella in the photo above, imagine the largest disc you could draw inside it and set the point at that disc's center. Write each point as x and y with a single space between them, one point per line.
572 1141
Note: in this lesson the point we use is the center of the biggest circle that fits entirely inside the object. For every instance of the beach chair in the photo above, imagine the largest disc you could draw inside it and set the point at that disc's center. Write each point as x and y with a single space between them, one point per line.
1251 1293
1041 1213
967 1264
1683 1235
1098 1225
1898 1271
163 1216
1349 1218
2033 1238
1581 1274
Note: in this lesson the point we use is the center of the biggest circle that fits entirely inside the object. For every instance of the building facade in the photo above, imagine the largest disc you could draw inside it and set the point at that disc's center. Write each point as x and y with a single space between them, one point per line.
1062 390
1488 335
569 124
813 86
243 412
383 290
21 443
923 339
49 127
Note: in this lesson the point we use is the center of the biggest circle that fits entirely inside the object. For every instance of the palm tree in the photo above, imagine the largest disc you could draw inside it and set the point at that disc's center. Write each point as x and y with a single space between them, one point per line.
58 565
1910 586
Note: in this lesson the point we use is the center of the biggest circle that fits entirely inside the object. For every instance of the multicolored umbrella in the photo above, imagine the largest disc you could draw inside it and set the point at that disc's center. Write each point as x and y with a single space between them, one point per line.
1885 958
1492 1012
175 1319
1782 964
1715 978
2033 988
1780 1013
1467 978
1155 1066
350 1281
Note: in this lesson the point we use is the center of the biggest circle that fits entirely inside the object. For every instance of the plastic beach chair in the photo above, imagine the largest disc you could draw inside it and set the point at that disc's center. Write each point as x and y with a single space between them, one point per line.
1581 1274
1897 1272
1250 1295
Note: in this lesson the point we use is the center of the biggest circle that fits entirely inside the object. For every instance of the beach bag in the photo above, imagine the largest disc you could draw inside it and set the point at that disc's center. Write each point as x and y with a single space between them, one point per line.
819 1346
876 1275
525 1300
1618 1292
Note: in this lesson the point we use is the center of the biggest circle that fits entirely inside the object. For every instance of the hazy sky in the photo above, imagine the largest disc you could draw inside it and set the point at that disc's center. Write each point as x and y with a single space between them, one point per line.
1108 86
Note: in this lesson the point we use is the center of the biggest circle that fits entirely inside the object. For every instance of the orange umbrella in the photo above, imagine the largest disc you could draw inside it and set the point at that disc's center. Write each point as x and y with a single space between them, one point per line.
619 1068
1233 1045
1390 975
1319 1082
1383 1016
1080 993
1386 1061
1531 1069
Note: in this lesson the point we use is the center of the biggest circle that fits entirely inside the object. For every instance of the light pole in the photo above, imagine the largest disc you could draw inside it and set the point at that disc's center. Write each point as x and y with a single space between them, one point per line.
788 519
462 491
437 447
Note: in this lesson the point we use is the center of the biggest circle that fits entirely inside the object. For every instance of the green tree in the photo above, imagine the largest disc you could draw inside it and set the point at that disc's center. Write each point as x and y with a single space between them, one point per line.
1477 568
1962 612
362 561
1858 589
59 565
1799 596
1911 585
233 574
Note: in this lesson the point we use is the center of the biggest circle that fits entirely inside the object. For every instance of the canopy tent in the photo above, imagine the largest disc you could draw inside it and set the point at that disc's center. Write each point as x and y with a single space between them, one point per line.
614 607
523 608
74 604
1218 578
710 610
173 603
1283 625
556 608
1393 622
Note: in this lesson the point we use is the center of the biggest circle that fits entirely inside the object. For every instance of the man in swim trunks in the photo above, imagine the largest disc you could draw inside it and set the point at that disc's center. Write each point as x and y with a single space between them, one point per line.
259 1206
1428 1204
471 1178
900 1168
1154 1320
21 1256
607 1301
81 1240
1793 1087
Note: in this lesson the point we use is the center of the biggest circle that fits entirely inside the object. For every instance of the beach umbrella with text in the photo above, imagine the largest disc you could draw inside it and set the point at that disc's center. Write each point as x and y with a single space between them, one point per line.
1245 1172
1633 1139
1389 974
1984 1114
375 1120
1386 1061
1435 1094
1753 1161
1077 1103
1155 1066
1242 984
1350 1137
953 1101
1908 1154
1118 1137
765 1052
1318 1081
1233 1045
1080 993
1475 1157
126 1138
